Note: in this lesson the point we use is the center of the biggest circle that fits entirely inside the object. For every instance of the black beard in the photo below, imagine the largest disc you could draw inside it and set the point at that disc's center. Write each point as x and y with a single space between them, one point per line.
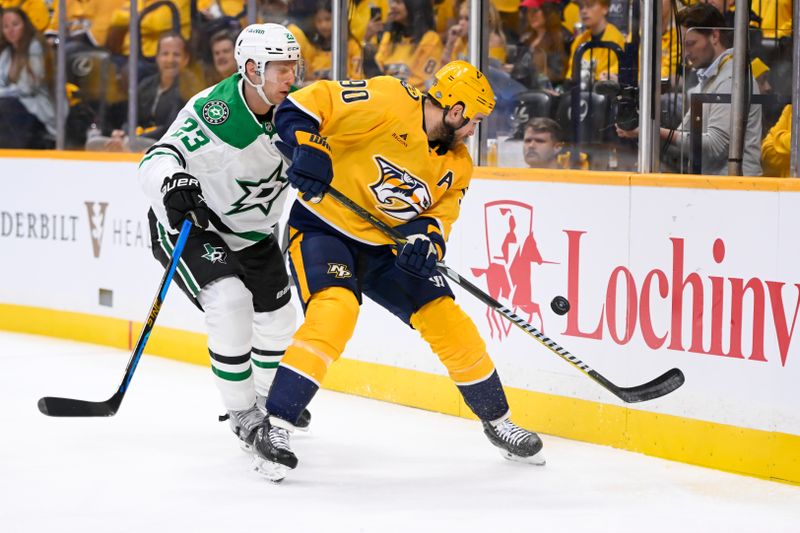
449 140
444 138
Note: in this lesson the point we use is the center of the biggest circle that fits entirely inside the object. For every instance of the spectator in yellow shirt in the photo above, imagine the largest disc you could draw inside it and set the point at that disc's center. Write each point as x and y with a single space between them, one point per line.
593 16
151 26
212 9
776 17
410 48
669 42
316 47
89 18
776 149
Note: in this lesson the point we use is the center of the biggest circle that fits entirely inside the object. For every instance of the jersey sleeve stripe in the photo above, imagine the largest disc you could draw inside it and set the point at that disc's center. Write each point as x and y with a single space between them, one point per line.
177 152
154 154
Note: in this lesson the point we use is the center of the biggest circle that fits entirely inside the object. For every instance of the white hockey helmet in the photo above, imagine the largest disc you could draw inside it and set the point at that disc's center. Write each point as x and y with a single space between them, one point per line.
264 43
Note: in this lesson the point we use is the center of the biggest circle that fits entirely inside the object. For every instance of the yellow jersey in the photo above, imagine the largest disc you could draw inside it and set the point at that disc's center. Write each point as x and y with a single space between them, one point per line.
444 14
228 8
669 53
776 149
506 6
606 60
776 17
317 62
381 157
414 63
358 15
564 160
153 24
95 14
571 16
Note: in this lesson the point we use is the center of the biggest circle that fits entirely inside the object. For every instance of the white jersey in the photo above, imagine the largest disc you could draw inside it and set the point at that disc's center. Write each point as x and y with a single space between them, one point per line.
218 140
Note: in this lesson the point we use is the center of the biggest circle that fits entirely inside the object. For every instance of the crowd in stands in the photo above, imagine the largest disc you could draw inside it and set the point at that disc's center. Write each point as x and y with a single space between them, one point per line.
562 69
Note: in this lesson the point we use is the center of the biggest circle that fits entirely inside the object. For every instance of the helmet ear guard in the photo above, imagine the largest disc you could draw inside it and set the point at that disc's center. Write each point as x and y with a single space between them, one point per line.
459 82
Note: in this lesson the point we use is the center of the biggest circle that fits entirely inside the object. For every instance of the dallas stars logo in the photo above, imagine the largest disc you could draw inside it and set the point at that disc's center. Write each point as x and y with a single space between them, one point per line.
215 254
259 194
215 112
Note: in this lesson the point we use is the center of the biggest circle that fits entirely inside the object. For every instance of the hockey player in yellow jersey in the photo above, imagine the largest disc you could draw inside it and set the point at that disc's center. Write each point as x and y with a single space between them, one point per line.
399 154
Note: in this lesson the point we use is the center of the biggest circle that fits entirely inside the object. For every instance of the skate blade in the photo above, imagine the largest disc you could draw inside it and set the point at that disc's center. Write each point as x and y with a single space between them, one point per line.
274 472
535 459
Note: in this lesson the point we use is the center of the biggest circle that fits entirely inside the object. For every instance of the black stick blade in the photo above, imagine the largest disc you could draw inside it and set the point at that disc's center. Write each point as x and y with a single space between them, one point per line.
62 407
662 385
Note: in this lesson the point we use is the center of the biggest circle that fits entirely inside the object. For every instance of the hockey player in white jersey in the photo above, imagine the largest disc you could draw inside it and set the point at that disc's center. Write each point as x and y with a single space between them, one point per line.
217 165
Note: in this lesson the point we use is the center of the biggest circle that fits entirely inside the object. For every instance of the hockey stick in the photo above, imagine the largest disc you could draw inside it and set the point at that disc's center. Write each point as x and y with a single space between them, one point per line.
54 406
663 384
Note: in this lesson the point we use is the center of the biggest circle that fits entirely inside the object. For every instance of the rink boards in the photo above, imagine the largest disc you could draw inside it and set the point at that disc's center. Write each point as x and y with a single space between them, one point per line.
698 273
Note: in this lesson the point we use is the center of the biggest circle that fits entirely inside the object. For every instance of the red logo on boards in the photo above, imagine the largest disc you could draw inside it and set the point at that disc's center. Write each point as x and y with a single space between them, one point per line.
682 305
511 251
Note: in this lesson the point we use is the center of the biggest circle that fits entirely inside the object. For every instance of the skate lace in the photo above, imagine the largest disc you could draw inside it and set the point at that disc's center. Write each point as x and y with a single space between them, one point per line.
249 419
510 432
279 438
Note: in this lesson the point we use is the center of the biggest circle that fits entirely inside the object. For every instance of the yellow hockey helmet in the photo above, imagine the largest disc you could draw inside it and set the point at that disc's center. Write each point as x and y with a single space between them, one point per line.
458 82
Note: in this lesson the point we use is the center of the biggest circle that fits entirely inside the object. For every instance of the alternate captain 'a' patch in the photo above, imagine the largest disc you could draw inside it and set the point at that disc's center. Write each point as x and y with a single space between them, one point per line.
400 194
259 194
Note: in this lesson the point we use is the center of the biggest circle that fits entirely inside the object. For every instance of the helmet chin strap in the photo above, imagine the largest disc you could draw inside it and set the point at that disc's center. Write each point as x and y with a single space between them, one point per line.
259 88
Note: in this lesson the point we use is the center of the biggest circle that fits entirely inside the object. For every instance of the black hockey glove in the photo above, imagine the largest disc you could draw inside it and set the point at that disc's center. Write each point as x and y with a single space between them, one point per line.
183 199
423 248
311 170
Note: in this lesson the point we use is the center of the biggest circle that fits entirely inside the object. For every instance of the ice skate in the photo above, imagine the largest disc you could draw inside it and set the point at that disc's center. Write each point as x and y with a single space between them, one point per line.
302 423
273 458
514 442
244 425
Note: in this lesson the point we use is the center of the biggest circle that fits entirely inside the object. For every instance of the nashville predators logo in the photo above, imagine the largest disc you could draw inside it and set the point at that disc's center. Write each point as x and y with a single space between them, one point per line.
401 195
339 270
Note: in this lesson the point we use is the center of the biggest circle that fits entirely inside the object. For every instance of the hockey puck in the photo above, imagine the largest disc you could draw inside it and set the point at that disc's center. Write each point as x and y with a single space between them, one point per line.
559 305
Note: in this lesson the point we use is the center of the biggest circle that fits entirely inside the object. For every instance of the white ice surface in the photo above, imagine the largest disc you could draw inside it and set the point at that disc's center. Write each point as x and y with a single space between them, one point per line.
164 464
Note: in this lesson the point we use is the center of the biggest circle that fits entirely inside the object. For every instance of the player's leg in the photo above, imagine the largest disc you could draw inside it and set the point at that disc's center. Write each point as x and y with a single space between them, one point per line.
211 276
274 321
454 338
324 270
428 306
